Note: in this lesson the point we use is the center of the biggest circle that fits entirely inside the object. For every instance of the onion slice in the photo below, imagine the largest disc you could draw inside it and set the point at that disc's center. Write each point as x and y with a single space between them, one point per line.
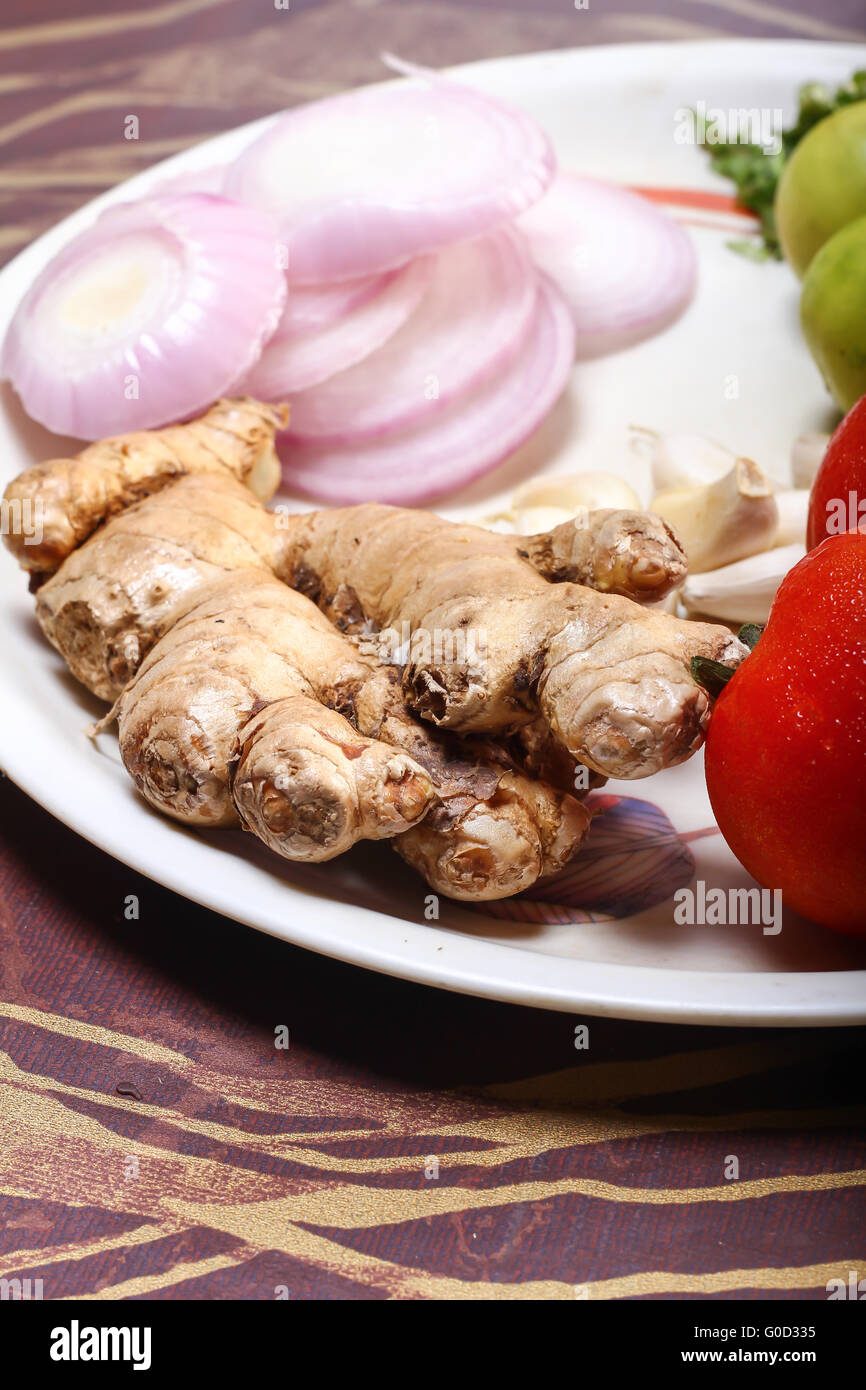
364 181
465 440
209 179
625 268
472 317
147 317
296 361
315 306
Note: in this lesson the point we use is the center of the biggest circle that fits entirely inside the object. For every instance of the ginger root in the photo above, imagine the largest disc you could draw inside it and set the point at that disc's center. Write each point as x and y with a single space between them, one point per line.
116 594
249 667
240 703
235 714
611 680
75 496
634 554
198 744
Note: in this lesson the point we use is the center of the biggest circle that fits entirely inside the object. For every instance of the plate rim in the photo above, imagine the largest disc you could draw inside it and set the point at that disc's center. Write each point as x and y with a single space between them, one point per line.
667 1005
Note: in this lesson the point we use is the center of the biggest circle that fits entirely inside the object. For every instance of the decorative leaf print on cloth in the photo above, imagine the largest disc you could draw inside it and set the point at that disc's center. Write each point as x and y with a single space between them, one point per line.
631 860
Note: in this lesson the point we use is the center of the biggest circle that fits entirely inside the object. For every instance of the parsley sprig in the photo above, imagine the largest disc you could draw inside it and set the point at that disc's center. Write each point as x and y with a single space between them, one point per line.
756 173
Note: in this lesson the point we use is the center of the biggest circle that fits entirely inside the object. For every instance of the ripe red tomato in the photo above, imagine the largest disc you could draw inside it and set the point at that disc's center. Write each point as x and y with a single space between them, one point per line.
838 500
786 751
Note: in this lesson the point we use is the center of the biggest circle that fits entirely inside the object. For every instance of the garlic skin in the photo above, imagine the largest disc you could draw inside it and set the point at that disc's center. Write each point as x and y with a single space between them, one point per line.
807 453
573 492
793 505
680 461
742 592
724 521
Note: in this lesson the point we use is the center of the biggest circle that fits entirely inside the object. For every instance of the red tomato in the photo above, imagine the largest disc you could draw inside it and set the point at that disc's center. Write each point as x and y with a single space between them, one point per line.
786 751
838 500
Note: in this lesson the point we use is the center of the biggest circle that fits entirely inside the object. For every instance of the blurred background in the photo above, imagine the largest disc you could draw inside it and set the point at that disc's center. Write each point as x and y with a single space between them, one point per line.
71 71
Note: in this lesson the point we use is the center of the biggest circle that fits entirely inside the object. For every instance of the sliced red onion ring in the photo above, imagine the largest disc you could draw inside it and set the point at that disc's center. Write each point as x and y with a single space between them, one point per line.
469 322
463 441
315 306
207 180
625 268
364 181
302 360
147 317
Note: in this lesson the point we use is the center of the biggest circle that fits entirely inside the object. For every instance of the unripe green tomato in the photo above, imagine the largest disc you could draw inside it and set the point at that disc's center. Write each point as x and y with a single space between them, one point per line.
823 185
833 313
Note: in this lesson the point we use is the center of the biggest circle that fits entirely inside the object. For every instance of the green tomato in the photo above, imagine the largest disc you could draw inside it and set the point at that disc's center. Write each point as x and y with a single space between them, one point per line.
823 185
833 312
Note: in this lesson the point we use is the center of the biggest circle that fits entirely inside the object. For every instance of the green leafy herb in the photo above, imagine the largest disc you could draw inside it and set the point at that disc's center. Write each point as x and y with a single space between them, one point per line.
756 171
752 250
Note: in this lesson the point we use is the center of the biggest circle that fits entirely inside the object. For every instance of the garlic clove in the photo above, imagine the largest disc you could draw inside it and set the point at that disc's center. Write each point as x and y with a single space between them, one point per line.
531 521
742 592
682 460
723 521
505 523
793 505
807 453
573 491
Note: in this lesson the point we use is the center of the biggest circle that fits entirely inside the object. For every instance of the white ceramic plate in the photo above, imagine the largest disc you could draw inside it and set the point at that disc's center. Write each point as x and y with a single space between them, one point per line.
733 368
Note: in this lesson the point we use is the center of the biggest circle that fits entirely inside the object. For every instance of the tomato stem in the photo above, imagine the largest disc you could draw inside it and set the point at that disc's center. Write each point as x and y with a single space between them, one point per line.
712 675
750 633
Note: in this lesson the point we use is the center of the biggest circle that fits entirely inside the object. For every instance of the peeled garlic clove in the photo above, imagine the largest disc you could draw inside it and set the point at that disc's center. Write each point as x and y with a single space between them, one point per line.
807 452
723 521
682 460
742 592
793 505
573 491
531 521
505 523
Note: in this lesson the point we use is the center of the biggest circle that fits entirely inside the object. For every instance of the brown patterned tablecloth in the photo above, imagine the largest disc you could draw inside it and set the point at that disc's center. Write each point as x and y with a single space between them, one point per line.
154 1143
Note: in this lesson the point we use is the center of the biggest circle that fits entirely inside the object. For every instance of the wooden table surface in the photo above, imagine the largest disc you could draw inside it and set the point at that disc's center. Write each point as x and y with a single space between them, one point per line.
193 68
409 1143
